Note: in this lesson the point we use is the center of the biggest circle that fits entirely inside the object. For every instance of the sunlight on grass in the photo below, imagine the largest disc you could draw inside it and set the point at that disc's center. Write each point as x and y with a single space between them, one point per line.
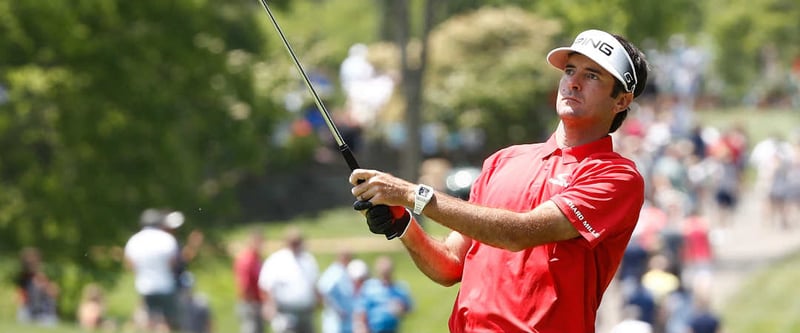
768 302
759 124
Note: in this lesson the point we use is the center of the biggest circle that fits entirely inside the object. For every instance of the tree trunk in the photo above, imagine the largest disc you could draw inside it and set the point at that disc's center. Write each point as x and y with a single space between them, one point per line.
412 78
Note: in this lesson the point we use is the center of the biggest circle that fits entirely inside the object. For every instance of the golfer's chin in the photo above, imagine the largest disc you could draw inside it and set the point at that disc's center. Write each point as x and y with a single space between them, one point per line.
567 107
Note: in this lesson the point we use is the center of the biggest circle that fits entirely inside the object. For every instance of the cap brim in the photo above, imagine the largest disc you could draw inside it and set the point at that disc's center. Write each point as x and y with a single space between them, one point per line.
357 269
558 57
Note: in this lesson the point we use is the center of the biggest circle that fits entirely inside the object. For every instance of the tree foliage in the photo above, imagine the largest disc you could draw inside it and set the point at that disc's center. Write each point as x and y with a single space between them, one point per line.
114 106
634 19
109 107
747 35
488 71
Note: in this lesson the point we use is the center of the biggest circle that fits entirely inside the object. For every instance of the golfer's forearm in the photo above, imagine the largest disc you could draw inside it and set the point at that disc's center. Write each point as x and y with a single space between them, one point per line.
433 258
498 227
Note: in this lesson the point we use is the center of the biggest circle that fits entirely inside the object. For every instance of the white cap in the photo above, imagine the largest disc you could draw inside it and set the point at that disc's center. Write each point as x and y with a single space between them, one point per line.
358 50
173 220
603 49
357 269
150 217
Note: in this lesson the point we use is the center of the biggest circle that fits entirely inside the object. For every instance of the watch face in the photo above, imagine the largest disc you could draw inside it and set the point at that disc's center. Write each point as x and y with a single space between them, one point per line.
423 191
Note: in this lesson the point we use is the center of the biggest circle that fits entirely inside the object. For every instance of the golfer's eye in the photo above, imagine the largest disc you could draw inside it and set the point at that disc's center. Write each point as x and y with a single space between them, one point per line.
592 76
569 70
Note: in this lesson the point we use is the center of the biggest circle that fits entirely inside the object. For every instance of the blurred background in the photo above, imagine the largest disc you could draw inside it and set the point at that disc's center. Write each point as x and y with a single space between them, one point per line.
111 107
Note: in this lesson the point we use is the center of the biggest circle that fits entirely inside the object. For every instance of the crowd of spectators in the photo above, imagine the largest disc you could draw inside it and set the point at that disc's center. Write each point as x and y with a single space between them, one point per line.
285 291
696 180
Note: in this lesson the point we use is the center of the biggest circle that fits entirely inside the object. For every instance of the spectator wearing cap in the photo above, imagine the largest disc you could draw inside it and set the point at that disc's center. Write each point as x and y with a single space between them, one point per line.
171 222
340 296
288 281
329 285
153 254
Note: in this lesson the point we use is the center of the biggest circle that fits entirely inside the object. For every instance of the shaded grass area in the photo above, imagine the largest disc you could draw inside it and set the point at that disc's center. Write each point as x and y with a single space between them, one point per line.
767 302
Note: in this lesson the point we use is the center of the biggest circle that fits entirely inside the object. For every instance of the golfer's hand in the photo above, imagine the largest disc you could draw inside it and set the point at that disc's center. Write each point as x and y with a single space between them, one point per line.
390 221
382 198
381 188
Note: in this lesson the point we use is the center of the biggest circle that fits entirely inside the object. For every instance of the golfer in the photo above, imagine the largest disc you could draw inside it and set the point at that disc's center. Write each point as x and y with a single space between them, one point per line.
547 223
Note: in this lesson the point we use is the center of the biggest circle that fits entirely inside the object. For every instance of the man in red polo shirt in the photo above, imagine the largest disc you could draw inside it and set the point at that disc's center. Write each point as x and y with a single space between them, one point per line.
250 300
546 224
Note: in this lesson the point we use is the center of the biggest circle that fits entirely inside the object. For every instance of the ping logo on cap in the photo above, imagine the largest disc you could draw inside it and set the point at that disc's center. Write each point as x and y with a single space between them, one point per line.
600 45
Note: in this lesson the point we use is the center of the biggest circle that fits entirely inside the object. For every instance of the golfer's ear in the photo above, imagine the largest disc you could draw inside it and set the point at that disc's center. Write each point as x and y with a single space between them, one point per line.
624 100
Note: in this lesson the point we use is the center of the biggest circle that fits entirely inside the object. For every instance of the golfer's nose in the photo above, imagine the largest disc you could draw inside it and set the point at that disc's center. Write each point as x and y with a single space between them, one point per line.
572 83
569 83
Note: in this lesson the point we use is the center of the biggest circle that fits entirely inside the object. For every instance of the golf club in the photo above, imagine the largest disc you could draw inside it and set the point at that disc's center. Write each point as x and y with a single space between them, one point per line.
343 148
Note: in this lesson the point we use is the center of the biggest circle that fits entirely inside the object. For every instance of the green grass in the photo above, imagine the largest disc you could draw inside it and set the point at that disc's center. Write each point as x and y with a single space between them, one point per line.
767 302
758 124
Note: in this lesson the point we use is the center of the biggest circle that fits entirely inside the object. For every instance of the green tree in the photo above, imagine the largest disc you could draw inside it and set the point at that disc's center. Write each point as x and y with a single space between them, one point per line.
748 34
634 19
488 71
115 106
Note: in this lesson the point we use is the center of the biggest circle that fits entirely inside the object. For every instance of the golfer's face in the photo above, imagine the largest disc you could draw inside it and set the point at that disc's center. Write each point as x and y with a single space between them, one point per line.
585 90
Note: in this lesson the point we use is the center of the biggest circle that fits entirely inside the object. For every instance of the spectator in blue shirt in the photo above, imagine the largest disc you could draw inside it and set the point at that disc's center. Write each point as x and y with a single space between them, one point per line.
332 280
340 296
382 302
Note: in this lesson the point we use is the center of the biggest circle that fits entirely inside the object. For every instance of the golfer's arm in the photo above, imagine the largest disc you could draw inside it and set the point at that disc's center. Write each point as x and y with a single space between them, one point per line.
501 228
441 260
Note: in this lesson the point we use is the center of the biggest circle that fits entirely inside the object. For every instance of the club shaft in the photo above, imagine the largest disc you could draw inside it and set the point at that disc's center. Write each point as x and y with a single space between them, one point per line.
343 148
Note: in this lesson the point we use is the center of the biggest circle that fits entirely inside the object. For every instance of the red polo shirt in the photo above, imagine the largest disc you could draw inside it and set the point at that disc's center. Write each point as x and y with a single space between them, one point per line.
246 269
556 287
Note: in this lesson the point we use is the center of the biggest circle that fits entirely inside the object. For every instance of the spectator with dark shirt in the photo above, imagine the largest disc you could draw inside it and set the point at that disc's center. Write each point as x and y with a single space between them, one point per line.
37 294
703 320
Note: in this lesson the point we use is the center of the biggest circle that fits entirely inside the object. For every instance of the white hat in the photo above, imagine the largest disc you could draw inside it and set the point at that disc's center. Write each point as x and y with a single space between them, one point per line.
605 50
150 217
173 220
357 269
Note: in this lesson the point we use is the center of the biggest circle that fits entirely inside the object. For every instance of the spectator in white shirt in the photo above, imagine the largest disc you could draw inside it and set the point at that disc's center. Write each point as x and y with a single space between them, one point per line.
152 254
288 280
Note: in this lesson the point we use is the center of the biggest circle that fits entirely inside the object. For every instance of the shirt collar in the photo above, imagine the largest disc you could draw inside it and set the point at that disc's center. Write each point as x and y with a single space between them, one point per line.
577 153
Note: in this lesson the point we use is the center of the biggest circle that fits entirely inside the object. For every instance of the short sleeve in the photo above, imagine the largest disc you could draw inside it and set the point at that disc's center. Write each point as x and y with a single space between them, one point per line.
604 198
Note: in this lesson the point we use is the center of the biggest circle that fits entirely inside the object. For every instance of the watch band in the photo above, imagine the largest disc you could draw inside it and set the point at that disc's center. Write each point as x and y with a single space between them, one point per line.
422 195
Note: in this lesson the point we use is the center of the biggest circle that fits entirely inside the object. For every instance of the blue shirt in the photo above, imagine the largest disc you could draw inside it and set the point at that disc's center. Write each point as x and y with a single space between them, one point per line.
337 289
379 302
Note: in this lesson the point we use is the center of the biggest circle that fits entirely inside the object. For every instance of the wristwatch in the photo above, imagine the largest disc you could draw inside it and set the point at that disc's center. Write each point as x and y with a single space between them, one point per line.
422 195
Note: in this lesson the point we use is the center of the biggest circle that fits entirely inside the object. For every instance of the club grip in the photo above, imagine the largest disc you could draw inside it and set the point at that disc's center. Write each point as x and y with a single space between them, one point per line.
348 157
351 162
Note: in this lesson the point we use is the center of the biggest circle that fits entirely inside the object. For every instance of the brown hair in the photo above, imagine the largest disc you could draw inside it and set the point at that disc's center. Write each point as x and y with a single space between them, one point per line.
641 67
